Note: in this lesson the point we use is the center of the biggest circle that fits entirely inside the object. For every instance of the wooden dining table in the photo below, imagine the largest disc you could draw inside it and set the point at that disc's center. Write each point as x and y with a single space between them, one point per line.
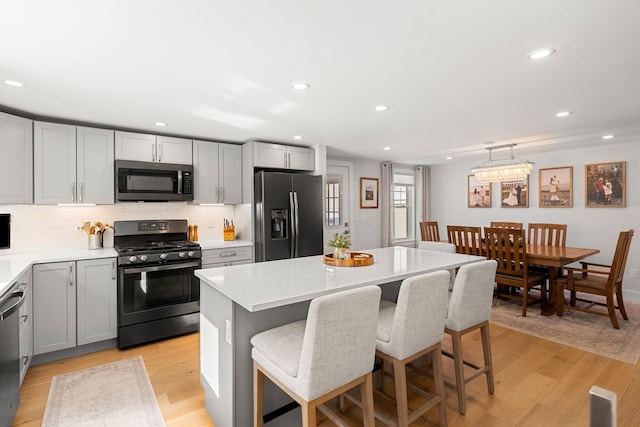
554 258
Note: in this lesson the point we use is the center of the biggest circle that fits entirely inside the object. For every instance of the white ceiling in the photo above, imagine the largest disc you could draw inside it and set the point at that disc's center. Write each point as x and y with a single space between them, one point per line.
454 72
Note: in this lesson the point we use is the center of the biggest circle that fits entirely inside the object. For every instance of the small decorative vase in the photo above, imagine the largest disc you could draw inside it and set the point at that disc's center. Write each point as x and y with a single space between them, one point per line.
340 253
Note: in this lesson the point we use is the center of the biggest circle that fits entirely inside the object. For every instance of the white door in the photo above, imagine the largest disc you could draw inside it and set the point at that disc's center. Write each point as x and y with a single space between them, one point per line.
337 202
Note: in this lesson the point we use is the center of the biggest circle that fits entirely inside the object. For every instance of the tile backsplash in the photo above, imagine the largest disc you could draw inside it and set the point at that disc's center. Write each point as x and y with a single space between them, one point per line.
35 227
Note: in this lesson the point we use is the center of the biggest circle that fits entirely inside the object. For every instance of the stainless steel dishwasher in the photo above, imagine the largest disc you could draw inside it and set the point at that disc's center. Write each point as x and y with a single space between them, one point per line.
10 302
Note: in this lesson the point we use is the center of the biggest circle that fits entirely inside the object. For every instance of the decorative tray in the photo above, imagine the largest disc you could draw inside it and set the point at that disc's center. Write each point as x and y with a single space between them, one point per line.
358 259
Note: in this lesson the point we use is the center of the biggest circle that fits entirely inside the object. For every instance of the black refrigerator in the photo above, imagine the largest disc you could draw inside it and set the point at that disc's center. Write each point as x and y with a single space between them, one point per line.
288 215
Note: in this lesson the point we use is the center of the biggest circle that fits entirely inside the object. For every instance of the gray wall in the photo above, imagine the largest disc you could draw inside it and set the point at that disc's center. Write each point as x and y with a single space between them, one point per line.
587 227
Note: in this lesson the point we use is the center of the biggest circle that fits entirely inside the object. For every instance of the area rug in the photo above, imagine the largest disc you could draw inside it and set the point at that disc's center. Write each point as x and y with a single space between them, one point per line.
114 394
577 329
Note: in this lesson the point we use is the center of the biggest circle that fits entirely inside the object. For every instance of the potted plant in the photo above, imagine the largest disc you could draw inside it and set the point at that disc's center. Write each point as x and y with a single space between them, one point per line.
340 242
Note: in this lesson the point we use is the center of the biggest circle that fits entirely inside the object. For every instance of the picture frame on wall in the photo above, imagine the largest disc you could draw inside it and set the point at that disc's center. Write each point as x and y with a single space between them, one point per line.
369 193
605 185
478 193
515 194
555 187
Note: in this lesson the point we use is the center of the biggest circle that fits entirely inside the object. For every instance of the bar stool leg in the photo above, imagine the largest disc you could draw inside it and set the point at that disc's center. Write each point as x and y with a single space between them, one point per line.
458 362
258 392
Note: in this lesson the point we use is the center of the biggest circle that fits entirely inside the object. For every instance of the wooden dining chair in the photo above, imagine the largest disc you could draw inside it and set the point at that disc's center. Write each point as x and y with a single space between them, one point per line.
503 224
600 279
548 234
429 231
508 246
468 239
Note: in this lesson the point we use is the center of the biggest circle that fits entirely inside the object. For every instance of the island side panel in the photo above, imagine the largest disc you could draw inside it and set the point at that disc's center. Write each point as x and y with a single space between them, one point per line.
216 356
246 325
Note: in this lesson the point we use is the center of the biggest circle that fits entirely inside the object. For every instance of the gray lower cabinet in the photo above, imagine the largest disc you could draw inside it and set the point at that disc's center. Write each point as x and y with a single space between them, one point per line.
54 306
220 257
96 300
26 324
74 303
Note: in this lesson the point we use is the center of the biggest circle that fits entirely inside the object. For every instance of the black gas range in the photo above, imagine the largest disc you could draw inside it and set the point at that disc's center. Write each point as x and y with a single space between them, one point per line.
158 293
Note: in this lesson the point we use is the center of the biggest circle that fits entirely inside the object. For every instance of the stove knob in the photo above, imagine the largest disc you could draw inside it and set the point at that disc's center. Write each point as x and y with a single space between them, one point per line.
163 256
143 257
182 254
133 258
191 253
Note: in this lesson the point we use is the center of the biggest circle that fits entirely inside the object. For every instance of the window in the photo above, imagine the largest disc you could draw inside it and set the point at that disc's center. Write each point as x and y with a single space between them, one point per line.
333 201
403 205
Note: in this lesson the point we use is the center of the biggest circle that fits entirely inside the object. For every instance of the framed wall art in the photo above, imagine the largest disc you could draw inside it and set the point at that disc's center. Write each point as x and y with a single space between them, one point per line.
555 187
478 193
368 193
515 194
605 185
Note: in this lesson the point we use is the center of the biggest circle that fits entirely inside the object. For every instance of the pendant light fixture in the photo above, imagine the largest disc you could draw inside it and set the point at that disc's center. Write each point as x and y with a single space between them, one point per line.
510 169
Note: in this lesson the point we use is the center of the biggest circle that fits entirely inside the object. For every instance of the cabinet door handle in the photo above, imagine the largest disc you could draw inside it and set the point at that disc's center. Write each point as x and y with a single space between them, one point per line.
159 152
70 274
81 194
217 194
288 160
227 254
285 159
26 360
24 318
153 153
113 269
73 192
221 200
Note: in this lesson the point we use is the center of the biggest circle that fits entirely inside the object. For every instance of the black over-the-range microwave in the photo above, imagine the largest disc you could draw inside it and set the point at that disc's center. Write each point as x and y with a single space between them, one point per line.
153 182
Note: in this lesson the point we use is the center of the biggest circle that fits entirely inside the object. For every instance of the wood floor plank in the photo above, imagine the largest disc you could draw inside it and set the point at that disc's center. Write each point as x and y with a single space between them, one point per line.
537 382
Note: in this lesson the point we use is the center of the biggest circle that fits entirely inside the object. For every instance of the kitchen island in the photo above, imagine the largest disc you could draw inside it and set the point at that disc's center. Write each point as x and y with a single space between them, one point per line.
239 301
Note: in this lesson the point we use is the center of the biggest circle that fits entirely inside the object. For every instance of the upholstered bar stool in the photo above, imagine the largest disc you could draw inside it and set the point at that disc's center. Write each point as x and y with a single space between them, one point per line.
408 330
470 309
317 359
441 247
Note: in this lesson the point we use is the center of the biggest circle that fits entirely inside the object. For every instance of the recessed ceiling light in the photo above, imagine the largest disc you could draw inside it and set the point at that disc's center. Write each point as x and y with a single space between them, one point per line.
382 107
387 148
448 158
608 136
300 85
13 83
161 124
541 53
297 137
563 114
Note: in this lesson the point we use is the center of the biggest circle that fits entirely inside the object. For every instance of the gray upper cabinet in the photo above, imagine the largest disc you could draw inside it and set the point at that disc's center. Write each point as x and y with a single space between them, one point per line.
94 166
218 172
16 161
72 165
151 148
174 150
283 156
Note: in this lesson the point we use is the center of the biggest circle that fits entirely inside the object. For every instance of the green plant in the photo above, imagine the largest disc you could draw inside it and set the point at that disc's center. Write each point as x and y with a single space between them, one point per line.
340 240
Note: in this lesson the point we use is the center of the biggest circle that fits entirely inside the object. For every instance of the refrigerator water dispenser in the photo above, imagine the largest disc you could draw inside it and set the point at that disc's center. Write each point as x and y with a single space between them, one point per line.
279 223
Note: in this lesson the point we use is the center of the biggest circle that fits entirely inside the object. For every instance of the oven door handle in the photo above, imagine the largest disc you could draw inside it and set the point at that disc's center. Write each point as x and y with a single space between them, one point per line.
164 267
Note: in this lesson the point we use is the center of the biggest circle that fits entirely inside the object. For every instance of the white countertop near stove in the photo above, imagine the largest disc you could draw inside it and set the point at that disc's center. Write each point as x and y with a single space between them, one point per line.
271 284
12 266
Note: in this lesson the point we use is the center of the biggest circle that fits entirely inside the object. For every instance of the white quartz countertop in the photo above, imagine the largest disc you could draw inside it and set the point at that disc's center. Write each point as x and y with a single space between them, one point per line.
14 265
217 244
265 285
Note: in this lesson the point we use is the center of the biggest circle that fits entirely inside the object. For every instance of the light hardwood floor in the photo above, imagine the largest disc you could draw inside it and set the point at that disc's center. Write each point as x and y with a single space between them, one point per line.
537 383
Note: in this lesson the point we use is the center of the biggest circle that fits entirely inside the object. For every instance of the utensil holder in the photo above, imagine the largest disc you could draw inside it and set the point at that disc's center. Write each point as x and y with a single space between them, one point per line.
95 241
229 233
